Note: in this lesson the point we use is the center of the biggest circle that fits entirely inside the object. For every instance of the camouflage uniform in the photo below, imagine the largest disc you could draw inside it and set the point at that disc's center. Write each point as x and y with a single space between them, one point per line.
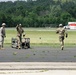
19 35
62 33
2 35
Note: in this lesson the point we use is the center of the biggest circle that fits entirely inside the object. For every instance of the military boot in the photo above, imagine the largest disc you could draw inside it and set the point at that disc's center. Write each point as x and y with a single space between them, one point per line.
62 47
0 47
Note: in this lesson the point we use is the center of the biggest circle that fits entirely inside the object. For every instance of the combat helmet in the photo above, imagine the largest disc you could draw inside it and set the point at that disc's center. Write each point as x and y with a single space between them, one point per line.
60 25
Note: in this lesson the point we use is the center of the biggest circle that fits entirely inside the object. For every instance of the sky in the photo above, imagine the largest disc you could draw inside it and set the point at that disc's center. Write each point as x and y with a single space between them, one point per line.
6 0
12 0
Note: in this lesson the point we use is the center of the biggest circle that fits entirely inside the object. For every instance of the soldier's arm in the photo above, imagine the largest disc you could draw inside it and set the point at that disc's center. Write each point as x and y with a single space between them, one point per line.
22 30
57 31
4 33
17 27
66 34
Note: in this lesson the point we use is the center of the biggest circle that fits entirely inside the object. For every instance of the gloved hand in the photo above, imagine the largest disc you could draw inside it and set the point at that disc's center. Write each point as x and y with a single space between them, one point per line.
66 35
5 35
57 32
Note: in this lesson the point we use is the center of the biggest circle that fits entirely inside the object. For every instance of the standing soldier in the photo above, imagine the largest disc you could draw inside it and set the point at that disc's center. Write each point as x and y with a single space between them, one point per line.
19 34
62 33
2 35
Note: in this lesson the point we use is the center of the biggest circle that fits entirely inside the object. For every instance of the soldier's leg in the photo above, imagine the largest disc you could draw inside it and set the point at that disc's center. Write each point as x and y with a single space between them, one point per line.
2 42
18 38
62 43
61 39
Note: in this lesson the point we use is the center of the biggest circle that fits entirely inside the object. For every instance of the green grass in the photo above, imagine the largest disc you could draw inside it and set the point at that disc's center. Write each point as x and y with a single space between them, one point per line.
42 36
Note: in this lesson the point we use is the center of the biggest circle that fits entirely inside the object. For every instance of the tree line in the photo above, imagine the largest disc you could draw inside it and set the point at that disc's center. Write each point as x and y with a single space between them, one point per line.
38 13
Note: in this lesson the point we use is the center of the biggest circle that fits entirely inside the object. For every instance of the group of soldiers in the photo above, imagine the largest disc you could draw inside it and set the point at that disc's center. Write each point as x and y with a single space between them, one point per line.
61 31
20 31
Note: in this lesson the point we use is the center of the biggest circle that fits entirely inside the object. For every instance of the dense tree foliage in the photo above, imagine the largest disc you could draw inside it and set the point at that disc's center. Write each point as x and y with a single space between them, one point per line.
38 13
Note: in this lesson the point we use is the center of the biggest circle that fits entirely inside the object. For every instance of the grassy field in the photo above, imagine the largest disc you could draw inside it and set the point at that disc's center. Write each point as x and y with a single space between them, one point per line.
42 36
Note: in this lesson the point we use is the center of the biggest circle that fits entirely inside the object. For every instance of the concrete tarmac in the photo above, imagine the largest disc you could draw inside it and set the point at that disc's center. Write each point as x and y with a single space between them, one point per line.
38 54
38 61
49 72
38 68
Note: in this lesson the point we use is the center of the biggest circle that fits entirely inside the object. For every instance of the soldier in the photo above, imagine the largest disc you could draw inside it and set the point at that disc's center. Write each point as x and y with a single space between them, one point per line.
62 33
2 35
19 34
